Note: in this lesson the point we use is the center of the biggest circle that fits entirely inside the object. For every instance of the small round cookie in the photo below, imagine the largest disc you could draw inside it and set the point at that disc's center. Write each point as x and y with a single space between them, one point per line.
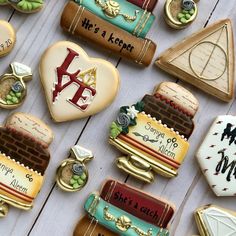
7 39
24 6
76 86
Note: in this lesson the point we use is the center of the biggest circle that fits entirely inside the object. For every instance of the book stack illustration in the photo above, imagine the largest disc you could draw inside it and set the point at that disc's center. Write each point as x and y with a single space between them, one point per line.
153 133
122 210
119 26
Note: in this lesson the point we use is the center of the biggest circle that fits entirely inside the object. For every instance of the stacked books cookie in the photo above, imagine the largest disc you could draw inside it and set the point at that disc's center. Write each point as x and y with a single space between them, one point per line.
217 156
118 26
215 221
153 133
24 158
205 60
120 209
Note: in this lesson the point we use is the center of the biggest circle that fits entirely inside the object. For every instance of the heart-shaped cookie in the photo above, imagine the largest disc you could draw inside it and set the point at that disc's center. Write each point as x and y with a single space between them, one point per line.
217 156
215 221
75 85
7 38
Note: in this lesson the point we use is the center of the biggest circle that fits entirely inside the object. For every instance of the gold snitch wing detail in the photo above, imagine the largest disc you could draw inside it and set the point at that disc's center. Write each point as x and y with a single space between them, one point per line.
89 77
123 223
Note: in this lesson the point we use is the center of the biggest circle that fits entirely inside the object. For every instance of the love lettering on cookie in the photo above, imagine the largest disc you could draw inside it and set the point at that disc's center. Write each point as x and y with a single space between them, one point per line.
82 86
217 156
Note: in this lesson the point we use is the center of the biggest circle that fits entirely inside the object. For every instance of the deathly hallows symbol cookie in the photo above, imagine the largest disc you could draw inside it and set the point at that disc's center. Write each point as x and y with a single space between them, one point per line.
75 85
215 221
205 59
217 156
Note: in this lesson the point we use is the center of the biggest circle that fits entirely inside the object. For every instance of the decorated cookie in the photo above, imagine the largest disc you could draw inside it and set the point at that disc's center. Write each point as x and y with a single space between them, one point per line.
217 156
24 157
12 86
90 227
80 22
180 13
215 221
76 86
72 175
148 5
122 14
7 39
24 6
205 59
120 209
151 209
154 132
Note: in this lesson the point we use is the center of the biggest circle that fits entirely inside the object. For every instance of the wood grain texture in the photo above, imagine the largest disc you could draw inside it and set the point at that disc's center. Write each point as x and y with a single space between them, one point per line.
56 212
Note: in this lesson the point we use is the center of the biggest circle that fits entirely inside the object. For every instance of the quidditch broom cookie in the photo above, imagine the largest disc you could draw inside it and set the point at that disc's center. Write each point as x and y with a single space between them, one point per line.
80 22
8 38
205 60
215 221
24 6
24 158
124 211
217 156
153 133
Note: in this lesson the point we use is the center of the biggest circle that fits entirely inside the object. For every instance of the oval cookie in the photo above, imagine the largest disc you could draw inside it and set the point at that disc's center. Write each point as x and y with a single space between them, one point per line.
7 38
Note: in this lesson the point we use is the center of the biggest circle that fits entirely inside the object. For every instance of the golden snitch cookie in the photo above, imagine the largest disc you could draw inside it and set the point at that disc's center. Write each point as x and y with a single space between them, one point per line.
7 39
24 6
24 157
76 86
153 133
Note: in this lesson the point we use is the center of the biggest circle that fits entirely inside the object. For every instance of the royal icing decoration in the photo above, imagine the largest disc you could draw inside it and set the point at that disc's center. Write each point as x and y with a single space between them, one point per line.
25 6
217 156
216 221
7 39
75 85
24 158
205 59
154 132
180 13
12 86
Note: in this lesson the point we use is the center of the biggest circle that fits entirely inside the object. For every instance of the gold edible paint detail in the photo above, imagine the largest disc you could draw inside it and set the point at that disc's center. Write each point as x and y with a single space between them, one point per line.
123 223
3 209
112 9
89 77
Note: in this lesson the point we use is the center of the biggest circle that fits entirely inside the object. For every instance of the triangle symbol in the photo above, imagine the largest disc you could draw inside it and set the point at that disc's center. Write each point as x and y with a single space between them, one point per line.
205 60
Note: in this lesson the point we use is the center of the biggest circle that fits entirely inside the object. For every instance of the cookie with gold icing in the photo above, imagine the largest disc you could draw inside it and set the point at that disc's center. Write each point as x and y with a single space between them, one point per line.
24 158
154 132
215 221
205 60
75 85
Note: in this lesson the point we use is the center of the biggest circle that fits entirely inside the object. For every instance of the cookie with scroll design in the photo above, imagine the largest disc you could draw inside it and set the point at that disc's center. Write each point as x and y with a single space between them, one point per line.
205 60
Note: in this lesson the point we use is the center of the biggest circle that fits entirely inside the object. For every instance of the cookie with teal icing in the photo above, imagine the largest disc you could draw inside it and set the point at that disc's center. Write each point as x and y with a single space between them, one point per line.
24 6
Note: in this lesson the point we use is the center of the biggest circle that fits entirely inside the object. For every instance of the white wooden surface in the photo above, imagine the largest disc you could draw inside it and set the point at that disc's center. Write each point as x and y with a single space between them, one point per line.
56 213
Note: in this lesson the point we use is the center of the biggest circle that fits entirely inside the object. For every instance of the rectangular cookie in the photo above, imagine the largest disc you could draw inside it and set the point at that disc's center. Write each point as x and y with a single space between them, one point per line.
150 209
80 22
148 5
